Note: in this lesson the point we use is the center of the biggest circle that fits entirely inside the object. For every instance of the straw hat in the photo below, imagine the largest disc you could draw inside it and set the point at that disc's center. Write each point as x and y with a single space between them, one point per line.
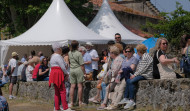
14 54
89 43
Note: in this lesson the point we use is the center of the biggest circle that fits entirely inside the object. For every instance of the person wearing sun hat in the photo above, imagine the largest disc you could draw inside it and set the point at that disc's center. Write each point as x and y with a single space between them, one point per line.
95 58
13 63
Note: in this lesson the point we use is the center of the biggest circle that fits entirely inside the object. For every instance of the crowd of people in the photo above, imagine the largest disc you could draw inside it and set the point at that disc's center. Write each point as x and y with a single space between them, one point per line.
69 67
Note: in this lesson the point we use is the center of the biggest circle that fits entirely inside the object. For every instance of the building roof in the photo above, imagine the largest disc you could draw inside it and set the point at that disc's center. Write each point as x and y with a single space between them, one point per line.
118 7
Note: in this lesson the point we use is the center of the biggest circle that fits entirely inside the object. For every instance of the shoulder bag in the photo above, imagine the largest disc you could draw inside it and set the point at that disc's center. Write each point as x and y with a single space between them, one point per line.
166 71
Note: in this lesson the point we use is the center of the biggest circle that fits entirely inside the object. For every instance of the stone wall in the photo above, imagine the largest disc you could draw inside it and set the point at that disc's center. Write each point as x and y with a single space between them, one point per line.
151 94
135 21
164 95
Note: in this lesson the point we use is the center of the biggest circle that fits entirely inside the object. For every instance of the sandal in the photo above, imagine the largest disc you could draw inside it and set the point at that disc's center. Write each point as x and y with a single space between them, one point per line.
82 104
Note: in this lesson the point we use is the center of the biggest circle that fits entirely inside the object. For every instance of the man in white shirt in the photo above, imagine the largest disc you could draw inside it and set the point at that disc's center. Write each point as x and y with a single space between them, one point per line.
95 58
13 77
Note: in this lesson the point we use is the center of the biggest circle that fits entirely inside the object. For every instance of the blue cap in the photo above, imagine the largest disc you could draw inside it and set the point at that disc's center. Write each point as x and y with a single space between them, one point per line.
5 65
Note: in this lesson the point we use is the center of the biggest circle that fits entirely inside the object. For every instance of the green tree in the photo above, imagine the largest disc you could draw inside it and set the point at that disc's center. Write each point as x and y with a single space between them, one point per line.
17 16
173 25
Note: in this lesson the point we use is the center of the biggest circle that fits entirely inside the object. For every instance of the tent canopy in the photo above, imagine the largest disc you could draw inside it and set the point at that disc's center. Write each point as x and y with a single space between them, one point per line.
106 24
58 24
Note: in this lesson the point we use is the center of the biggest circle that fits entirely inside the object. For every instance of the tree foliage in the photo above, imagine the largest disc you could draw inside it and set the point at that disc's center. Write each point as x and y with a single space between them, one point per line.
17 16
174 25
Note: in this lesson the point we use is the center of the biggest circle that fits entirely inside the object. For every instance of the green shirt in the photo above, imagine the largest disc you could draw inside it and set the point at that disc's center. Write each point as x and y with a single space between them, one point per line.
75 59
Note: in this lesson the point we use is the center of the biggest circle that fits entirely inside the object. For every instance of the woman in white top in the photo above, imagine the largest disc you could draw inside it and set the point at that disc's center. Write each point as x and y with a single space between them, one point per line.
29 71
58 71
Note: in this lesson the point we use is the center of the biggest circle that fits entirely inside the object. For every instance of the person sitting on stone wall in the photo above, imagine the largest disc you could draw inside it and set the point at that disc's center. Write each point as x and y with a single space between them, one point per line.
43 74
143 72
161 57
112 74
128 65
101 86
29 71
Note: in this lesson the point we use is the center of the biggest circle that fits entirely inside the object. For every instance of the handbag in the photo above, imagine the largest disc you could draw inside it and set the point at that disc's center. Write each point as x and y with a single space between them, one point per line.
185 64
166 71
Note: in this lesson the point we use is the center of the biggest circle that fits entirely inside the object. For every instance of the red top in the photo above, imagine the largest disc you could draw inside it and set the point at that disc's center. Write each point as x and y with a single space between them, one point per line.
35 72
56 76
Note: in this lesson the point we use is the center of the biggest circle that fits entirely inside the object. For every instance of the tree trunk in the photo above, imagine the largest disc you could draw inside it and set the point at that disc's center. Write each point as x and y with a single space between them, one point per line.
14 17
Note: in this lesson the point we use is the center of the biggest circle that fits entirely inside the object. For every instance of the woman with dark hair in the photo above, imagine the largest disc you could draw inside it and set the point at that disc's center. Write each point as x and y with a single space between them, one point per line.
104 56
77 71
43 74
65 51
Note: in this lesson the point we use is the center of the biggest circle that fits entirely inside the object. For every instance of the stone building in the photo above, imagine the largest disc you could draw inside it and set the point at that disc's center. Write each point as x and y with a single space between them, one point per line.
133 14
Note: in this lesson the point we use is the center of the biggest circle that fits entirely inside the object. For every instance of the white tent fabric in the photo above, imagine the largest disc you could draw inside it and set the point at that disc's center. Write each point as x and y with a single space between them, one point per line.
58 24
106 24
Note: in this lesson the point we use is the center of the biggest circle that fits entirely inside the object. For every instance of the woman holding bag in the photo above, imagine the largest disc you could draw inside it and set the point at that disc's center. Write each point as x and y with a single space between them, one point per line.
161 59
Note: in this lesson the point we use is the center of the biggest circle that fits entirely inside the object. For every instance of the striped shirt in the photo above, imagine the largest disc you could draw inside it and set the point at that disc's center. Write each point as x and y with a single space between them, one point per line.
145 67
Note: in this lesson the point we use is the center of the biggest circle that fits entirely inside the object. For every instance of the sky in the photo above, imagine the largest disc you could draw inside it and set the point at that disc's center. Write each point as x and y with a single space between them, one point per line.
170 5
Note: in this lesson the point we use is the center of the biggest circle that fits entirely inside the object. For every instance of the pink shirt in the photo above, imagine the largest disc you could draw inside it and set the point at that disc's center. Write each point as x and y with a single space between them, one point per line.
35 72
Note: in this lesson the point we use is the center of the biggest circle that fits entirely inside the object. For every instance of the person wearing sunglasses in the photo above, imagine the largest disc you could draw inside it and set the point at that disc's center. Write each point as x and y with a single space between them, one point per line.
161 49
143 72
43 71
128 65
118 40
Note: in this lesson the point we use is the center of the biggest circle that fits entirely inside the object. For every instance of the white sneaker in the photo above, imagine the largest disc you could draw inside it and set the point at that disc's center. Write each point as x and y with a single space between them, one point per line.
11 97
69 109
91 99
61 108
129 105
124 101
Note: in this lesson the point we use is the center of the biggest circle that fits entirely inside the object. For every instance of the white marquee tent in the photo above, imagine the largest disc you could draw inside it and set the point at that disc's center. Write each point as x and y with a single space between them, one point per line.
106 24
58 24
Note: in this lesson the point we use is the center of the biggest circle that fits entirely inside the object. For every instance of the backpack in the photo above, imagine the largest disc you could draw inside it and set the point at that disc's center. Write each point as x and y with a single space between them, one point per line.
23 74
